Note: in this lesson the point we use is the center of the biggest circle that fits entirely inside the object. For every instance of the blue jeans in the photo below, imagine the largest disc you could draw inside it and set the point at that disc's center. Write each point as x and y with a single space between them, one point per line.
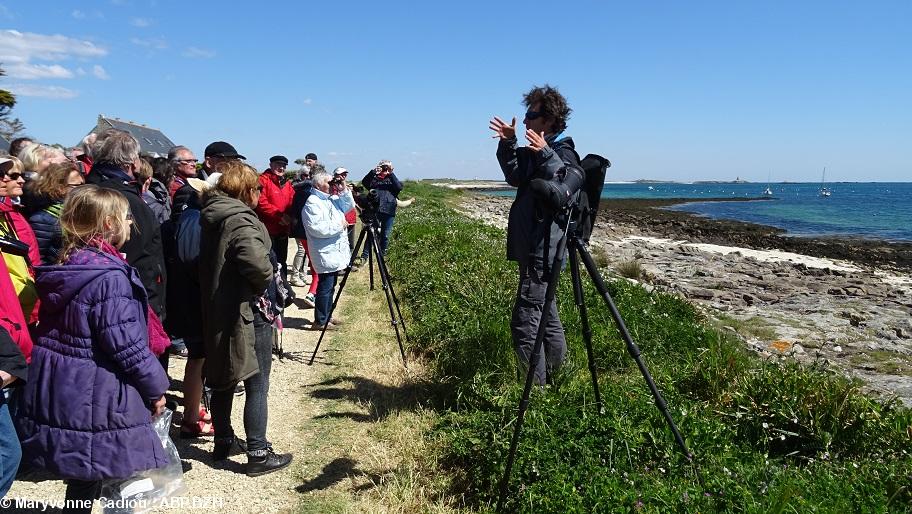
324 298
256 390
10 451
386 228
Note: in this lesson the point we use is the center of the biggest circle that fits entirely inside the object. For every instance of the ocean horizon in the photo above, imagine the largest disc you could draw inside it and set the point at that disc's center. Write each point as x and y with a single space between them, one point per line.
874 210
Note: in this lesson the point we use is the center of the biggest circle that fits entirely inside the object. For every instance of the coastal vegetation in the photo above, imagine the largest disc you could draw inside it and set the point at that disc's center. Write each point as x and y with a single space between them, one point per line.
768 436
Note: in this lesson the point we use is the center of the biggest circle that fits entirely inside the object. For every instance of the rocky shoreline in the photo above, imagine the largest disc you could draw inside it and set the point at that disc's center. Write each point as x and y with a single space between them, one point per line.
846 303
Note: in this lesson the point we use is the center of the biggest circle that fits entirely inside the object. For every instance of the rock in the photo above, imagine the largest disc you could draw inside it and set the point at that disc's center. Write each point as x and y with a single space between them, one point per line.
900 333
837 348
766 297
797 348
748 299
855 291
835 291
699 292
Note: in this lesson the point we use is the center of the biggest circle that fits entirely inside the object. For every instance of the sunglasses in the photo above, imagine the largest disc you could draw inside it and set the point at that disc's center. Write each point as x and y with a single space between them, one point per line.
534 115
12 176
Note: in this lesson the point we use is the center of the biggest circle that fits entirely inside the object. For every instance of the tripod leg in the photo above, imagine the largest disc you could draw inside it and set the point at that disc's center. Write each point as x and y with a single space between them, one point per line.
336 300
384 273
632 348
370 255
584 319
533 361
387 290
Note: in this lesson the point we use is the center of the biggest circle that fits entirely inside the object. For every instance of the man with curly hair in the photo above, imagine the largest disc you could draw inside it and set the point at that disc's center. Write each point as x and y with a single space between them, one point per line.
533 232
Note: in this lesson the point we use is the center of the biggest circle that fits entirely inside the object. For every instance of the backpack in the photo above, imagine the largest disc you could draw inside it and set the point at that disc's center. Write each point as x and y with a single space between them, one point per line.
302 191
595 167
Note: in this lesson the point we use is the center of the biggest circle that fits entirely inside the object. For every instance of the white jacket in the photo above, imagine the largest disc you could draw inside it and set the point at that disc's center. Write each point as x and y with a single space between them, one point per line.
327 238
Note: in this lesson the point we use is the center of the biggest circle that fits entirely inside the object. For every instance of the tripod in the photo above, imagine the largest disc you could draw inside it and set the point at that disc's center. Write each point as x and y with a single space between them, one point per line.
371 237
572 242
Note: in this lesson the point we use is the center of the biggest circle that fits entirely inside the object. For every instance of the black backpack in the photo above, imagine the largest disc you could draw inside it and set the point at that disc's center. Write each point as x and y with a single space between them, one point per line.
595 167
302 191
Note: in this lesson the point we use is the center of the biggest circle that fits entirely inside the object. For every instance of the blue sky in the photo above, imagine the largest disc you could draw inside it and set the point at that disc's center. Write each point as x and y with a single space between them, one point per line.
666 90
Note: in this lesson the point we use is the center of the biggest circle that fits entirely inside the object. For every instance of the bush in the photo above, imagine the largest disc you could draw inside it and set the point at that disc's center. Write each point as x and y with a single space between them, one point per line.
767 436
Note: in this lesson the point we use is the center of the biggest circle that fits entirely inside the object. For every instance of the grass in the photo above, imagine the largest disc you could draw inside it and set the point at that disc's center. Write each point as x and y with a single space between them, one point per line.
768 436
630 269
752 328
884 361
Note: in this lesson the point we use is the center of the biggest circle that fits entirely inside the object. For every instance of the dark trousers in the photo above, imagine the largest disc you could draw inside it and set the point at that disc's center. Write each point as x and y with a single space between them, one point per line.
82 492
324 298
386 228
256 390
280 247
527 312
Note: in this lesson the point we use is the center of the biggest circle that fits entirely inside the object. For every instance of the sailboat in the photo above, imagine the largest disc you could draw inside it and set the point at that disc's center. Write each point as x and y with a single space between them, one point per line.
768 191
824 191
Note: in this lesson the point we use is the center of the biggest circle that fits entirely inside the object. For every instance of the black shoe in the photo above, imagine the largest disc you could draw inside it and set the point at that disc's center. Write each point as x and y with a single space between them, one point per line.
239 389
271 461
224 447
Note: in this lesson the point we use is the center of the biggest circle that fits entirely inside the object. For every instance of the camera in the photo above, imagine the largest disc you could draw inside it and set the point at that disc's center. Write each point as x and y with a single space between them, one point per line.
367 200
13 246
559 191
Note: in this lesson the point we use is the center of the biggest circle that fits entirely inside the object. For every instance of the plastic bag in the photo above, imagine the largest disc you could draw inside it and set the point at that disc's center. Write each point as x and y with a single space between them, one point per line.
150 488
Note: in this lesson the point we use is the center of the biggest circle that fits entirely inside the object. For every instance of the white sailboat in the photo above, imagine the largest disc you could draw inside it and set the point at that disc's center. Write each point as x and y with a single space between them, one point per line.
824 191
768 191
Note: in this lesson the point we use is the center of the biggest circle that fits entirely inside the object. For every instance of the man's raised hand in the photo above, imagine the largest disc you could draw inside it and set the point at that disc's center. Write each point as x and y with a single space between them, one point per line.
501 129
536 140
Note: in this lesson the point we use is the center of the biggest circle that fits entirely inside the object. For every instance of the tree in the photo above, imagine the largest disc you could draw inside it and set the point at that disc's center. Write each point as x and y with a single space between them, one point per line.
9 127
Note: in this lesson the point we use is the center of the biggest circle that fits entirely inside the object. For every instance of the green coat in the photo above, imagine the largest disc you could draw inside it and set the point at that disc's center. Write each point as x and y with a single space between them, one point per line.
234 269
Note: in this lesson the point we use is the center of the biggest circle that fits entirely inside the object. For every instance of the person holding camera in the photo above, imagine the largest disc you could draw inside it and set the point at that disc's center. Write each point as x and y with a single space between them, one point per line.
384 181
327 229
533 233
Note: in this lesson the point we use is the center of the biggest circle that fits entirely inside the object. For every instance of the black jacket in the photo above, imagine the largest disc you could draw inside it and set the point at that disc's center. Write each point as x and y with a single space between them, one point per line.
144 249
388 189
11 359
533 231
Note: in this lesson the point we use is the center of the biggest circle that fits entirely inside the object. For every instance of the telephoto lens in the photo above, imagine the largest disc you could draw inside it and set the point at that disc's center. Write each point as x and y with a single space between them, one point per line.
557 193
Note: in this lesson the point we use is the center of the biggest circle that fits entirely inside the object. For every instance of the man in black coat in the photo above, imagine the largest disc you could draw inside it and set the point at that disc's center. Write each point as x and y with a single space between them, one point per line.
384 181
533 231
116 156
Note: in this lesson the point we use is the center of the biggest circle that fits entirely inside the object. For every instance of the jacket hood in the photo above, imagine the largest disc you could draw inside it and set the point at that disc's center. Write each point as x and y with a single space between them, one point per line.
217 208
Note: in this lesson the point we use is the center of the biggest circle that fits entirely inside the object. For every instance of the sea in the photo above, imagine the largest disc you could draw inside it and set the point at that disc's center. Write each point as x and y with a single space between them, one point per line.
874 210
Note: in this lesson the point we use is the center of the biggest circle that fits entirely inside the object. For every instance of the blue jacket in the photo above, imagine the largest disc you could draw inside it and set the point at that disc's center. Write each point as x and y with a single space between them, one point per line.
326 237
84 412
388 189
45 222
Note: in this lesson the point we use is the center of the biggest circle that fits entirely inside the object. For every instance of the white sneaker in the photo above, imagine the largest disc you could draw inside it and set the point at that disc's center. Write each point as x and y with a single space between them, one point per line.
309 300
296 281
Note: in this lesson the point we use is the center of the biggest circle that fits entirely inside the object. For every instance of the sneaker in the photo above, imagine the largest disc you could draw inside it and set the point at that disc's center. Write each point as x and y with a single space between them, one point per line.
336 321
297 281
316 327
309 300
239 389
227 446
261 462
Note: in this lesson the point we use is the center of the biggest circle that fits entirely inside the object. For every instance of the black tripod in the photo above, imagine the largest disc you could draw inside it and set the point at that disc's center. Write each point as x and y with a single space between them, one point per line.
371 237
573 243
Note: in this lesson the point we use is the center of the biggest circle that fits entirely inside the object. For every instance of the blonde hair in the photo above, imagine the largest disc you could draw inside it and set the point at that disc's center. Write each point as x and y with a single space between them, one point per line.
54 182
33 156
238 180
91 212
143 172
17 165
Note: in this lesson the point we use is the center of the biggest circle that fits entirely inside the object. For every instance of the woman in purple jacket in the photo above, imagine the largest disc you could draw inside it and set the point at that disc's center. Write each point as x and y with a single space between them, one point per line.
93 386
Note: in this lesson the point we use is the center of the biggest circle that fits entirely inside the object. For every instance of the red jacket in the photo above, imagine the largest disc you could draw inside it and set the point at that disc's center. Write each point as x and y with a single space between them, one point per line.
274 208
11 316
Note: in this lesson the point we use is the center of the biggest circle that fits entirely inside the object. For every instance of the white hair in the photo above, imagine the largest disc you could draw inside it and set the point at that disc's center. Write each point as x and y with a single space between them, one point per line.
321 180
117 147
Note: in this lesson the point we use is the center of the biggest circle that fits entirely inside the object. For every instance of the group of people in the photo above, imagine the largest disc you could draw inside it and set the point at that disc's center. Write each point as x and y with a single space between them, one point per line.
109 256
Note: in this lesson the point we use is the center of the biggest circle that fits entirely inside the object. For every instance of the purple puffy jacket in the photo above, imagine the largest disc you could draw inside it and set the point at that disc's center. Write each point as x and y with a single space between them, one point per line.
84 412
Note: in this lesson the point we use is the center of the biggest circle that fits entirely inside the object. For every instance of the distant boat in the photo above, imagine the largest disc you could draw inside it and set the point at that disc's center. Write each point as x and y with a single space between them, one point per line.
824 191
651 188
768 191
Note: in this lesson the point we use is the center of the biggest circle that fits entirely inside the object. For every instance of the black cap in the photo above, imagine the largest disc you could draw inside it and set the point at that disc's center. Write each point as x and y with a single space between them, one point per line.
279 158
311 156
222 149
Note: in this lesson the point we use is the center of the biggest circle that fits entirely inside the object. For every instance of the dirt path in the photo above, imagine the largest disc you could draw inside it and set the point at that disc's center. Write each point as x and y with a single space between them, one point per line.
352 421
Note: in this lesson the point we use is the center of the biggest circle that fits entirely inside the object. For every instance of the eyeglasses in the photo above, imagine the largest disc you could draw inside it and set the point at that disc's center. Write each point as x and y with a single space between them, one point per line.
534 115
12 176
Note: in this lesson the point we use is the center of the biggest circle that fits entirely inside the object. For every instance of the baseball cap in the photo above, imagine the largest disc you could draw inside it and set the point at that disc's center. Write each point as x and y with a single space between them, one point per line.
5 165
222 149
340 171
